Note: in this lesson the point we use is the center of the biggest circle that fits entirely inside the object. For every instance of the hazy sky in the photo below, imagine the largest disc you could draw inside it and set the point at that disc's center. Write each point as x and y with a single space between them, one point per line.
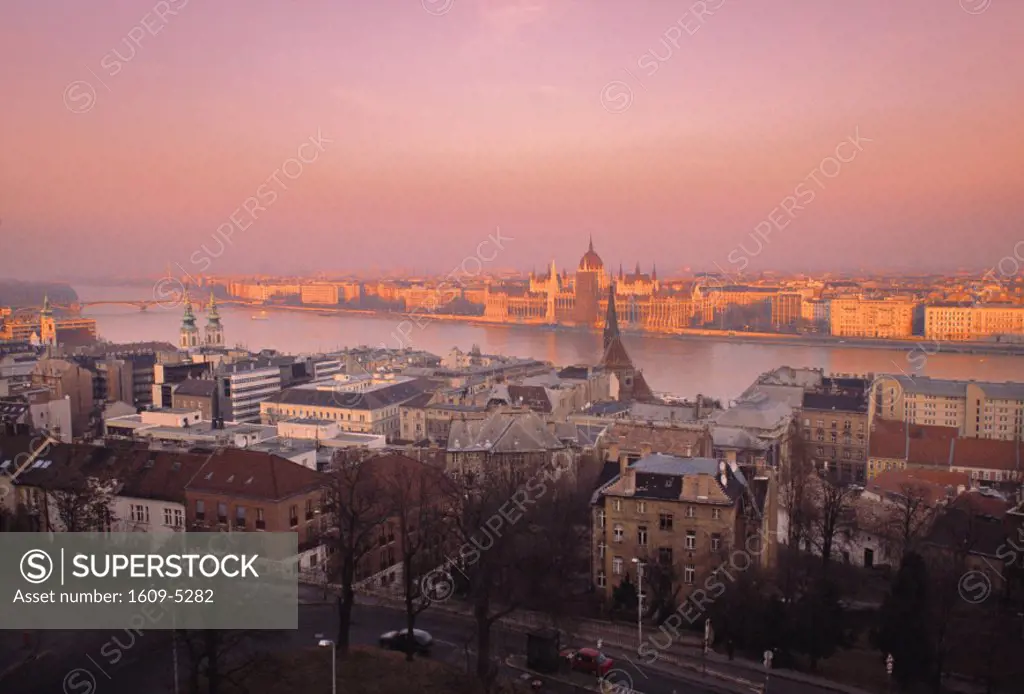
133 130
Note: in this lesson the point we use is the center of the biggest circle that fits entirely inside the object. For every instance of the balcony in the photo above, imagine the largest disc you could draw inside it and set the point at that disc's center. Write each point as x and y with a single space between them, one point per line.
222 520
240 523
261 525
200 515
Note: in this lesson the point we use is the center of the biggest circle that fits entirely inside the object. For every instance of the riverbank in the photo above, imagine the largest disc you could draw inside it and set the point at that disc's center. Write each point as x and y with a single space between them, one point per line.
917 343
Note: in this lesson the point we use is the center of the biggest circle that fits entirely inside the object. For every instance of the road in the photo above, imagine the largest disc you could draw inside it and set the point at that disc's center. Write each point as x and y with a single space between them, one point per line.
92 662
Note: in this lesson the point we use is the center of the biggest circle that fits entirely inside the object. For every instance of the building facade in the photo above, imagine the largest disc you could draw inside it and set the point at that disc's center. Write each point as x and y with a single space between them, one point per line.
890 318
1004 323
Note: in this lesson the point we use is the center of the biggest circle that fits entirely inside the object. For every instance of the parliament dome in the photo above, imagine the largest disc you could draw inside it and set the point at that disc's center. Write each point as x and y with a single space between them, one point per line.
591 261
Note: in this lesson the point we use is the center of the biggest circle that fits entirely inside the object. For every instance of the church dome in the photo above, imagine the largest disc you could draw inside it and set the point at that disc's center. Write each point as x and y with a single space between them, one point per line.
591 261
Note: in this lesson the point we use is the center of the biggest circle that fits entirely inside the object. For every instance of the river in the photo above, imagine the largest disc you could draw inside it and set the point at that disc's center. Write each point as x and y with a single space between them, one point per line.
681 366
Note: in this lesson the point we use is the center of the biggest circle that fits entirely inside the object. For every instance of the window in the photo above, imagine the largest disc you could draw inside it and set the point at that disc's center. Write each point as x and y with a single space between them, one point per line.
601 548
716 514
293 516
309 509
691 539
617 504
689 574
139 513
641 536
240 516
222 512
618 532
641 507
665 521
617 566
716 542
600 518
691 512
665 556
261 522
602 580
168 516
200 509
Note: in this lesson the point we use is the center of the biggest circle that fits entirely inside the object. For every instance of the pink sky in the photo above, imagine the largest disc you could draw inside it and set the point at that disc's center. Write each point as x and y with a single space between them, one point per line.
445 126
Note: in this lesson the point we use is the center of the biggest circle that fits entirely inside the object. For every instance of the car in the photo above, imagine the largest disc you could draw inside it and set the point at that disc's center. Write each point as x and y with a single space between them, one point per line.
588 660
397 640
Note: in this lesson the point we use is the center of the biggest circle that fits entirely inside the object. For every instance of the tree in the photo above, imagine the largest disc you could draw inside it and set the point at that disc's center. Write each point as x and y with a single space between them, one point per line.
505 552
904 630
904 518
415 492
833 511
83 506
819 619
624 595
356 507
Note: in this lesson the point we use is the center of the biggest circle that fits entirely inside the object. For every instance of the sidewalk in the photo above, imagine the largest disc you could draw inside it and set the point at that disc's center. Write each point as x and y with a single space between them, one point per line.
584 682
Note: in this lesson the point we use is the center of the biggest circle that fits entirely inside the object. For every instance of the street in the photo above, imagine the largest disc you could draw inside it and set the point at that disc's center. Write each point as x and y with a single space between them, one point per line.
125 662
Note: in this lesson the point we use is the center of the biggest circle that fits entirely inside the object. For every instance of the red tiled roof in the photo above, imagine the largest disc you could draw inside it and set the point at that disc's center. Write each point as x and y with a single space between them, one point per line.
252 474
930 485
990 454
918 444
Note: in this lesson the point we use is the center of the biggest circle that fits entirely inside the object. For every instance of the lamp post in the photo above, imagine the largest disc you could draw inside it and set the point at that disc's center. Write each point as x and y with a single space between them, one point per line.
768 655
639 601
889 663
328 643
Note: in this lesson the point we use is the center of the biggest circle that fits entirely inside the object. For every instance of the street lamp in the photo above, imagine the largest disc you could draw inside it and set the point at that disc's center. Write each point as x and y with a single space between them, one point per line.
639 601
328 643
889 662
768 655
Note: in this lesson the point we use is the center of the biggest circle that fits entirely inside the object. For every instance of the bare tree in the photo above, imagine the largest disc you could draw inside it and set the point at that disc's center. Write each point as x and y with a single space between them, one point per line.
794 481
832 511
356 507
416 492
505 551
906 516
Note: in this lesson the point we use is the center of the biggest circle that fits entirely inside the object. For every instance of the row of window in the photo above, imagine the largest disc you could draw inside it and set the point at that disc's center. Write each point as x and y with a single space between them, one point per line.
173 517
664 519
618 564
690 541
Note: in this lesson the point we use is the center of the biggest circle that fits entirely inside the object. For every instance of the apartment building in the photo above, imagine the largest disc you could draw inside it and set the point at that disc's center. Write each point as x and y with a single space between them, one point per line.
835 427
370 405
688 516
243 491
975 408
1003 322
889 318
320 293
144 490
242 386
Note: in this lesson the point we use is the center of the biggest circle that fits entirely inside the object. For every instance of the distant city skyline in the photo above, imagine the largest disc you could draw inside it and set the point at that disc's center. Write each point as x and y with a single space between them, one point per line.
339 137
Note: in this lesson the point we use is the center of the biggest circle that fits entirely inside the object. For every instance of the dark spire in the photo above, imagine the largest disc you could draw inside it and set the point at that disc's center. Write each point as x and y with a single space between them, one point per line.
621 276
654 271
611 322
638 268
591 247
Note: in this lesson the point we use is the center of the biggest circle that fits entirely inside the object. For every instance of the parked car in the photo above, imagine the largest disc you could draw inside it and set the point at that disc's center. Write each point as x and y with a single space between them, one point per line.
397 640
588 660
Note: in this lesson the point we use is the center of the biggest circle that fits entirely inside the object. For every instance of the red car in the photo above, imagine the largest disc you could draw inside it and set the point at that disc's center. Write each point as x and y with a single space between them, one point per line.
588 660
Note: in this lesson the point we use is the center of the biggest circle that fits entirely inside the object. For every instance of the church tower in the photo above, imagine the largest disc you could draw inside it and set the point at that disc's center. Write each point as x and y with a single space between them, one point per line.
189 332
214 331
47 324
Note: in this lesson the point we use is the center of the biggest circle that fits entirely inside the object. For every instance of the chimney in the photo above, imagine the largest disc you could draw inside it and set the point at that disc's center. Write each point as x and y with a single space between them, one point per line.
613 451
628 475
645 450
